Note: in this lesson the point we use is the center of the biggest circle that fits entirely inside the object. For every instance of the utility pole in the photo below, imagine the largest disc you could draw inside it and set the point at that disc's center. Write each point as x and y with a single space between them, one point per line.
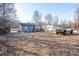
77 18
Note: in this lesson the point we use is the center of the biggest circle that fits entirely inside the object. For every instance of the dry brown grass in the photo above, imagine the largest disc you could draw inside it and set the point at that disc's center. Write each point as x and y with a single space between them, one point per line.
41 44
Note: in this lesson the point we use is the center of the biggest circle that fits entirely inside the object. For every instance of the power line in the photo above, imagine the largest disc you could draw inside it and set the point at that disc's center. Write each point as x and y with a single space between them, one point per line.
77 5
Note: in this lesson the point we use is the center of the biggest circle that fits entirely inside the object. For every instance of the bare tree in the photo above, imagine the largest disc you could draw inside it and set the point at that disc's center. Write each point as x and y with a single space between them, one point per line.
71 25
49 18
7 14
63 22
55 21
37 17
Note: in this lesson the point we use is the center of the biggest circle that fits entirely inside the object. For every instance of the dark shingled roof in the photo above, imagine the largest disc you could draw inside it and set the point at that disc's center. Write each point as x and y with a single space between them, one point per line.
29 24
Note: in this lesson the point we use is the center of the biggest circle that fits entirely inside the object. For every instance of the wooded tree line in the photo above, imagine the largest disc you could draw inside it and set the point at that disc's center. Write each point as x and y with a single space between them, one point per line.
37 18
49 19
8 17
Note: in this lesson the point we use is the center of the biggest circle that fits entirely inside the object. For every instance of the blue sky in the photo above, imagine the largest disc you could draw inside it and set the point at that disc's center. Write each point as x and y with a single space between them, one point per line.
62 10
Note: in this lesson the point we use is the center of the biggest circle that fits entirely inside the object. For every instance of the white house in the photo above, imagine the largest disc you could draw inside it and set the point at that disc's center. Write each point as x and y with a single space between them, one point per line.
48 27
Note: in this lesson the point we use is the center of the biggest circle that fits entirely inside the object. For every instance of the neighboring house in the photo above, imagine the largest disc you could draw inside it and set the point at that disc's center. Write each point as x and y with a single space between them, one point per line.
33 27
14 28
30 27
47 27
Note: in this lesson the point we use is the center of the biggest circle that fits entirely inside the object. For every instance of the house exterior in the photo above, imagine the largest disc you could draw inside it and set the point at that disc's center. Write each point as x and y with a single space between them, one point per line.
14 29
34 27
48 27
30 27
